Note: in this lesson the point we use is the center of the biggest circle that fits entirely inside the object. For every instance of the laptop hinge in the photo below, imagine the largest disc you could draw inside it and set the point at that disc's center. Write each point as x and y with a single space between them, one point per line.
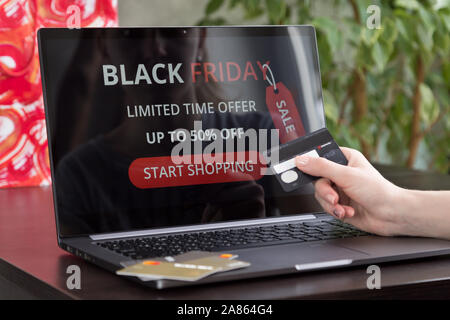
242 223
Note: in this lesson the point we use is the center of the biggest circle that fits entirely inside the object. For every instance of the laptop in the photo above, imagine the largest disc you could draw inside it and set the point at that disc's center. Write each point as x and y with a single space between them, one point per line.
131 113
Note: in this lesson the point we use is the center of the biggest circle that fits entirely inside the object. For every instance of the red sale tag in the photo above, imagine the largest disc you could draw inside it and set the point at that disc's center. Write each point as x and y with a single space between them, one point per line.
283 110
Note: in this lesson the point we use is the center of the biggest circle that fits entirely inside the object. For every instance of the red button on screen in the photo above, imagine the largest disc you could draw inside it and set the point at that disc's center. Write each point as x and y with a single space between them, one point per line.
161 172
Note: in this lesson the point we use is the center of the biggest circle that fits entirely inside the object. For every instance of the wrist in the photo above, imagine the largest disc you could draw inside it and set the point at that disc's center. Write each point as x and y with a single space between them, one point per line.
408 216
400 210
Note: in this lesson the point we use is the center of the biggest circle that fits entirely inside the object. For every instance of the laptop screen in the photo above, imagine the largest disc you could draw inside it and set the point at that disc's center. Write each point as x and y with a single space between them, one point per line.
167 127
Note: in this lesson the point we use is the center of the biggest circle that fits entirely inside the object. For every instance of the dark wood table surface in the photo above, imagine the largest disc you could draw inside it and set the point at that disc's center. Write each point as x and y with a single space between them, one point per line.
32 265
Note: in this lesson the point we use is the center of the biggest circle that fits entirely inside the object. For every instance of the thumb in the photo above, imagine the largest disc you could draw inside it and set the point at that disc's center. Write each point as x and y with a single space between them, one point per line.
321 167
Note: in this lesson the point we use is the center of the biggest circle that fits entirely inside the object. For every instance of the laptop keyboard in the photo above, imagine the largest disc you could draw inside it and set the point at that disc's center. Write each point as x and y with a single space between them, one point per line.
229 239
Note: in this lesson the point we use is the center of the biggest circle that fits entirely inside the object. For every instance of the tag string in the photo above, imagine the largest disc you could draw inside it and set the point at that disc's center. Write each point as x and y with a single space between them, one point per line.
271 82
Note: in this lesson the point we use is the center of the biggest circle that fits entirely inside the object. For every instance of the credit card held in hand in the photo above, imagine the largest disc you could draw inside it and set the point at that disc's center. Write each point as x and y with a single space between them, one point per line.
317 144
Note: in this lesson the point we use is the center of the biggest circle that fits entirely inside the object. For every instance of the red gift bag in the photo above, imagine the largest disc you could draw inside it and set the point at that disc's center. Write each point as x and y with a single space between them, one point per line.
23 140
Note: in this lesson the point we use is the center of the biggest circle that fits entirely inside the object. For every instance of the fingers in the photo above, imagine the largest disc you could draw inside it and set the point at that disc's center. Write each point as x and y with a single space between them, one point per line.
348 152
326 191
349 212
333 208
330 208
336 210
328 198
355 158
321 167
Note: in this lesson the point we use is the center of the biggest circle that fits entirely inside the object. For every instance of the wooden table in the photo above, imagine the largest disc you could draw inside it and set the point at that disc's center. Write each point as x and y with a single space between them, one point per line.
32 265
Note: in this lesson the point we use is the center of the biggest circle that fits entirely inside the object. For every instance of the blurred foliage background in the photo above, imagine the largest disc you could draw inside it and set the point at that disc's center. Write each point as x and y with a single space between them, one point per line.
386 90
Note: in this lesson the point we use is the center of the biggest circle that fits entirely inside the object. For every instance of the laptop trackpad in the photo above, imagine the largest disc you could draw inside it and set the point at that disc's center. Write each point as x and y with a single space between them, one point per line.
394 246
274 260
305 256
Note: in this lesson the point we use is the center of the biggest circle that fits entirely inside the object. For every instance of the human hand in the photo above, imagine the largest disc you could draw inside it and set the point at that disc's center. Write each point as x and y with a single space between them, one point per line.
357 193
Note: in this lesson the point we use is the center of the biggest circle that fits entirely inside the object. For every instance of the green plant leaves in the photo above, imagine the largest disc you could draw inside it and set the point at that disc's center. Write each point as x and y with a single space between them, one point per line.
379 56
370 37
331 108
213 6
212 22
376 46
446 19
429 107
387 58
276 10
408 4
330 30
446 72
233 3
253 9
441 4
425 38
427 18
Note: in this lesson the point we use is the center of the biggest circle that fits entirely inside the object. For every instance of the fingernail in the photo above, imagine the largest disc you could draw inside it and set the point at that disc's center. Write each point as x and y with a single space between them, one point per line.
338 213
302 160
330 198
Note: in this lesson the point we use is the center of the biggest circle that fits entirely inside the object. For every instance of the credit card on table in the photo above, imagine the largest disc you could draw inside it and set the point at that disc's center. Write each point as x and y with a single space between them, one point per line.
223 263
191 255
168 270
190 266
317 144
